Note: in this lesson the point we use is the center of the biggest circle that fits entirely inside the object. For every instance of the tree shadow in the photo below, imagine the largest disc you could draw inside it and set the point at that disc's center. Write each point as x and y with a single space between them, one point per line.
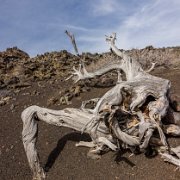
74 136
150 152
119 157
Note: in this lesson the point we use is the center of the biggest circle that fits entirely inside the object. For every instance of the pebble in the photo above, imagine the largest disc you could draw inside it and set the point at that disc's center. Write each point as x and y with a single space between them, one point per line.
12 107
52 101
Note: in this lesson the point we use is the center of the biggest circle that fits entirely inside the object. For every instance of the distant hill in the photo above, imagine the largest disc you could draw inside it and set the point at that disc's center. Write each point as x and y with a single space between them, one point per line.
16 66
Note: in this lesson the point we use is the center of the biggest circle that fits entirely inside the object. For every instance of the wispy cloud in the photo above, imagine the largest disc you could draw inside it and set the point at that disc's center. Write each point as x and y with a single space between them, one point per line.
104 7
155 23
73 27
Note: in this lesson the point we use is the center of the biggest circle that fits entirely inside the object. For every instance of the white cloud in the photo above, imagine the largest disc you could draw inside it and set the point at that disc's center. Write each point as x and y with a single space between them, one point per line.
137 24
104 7
73 27
155 23
92 38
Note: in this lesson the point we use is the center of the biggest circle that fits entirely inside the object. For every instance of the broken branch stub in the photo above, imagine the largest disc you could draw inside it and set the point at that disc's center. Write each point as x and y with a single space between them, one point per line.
127 115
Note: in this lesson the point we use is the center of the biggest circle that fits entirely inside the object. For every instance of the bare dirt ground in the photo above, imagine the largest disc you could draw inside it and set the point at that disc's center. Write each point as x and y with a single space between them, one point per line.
57 148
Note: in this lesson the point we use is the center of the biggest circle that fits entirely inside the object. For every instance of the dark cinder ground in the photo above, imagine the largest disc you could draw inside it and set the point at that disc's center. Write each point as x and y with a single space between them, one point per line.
57 149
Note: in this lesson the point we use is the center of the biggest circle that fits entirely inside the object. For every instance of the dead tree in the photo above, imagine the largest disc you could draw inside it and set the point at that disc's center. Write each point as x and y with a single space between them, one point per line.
125 116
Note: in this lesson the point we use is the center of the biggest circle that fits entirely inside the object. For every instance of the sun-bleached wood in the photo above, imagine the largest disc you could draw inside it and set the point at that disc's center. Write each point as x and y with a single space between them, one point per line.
69 117
143 99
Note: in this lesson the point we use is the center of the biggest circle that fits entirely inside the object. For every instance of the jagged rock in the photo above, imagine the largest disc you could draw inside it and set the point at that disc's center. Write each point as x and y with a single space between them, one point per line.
175 102
77 90
52 101
85 89
12 107
13 54
16 65
4 100
11 80
64 100
35 93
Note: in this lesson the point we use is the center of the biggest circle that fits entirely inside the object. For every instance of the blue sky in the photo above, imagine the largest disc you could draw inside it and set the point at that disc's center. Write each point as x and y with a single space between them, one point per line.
37 26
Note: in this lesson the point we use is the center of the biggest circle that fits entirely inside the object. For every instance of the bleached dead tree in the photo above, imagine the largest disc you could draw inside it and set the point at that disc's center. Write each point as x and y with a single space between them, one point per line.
125 116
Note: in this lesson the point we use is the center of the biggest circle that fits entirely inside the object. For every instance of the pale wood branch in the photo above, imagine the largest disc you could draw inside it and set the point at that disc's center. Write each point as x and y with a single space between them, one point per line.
72 38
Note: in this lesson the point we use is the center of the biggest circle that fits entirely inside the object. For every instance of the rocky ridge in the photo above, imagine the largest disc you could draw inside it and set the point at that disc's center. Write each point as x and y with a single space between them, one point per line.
18 70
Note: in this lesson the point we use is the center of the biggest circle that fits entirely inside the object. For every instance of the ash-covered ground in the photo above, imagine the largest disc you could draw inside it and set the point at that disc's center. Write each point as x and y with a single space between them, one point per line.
26 81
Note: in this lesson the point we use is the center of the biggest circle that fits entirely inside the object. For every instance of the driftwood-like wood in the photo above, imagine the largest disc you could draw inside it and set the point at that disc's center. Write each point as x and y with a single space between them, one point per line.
127 115
69 117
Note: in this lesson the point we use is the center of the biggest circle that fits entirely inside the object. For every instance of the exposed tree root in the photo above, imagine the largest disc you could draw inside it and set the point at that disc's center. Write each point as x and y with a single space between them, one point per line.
128 115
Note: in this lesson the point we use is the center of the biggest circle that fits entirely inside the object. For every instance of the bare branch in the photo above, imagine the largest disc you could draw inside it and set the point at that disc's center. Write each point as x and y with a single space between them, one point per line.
111 40
169 158
152 67
69 117
72 38
81 73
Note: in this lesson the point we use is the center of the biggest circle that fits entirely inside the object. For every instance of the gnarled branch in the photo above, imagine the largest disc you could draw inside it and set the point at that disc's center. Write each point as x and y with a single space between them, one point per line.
127 114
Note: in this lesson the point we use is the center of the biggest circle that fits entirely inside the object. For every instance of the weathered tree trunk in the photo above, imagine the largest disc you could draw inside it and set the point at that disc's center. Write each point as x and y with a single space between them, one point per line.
138 83
129 113
69 117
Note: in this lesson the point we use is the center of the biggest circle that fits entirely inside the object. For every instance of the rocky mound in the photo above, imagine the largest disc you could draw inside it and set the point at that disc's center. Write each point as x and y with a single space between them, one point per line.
166 57
18 70
17 67
12 54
